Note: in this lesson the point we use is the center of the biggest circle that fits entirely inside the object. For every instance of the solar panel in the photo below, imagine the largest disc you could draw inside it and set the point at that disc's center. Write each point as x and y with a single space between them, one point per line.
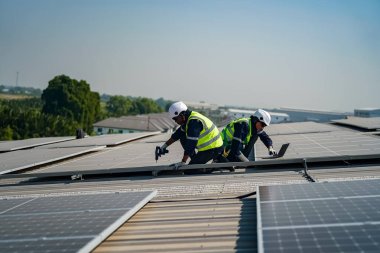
364 123
101 140
23 159
6 146
76 223
327 217
328 144
136 154
299 127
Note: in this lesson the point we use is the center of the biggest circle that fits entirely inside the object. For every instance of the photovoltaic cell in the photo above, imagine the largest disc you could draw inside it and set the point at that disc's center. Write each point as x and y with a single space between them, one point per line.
74 223
299 128
323 217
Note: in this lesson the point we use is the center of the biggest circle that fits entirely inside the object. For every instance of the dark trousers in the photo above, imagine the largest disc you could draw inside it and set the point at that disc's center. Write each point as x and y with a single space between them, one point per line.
203 157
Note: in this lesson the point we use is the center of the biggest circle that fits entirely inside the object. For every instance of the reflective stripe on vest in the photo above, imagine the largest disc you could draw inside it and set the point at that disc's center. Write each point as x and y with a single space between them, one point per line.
209 137
229 130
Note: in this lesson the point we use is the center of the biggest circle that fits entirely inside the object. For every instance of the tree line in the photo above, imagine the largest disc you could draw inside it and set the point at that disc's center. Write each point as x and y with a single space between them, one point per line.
64 106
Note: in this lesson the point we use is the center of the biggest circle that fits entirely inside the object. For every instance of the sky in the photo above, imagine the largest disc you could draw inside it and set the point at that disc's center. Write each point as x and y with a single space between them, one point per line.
309 54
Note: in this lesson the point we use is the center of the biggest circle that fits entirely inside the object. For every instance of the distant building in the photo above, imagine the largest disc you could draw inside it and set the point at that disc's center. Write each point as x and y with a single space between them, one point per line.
201 106
132 124
300 115
367 112
240 113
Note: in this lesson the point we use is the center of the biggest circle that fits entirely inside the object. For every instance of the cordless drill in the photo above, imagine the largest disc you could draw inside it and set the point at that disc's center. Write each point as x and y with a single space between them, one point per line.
159 153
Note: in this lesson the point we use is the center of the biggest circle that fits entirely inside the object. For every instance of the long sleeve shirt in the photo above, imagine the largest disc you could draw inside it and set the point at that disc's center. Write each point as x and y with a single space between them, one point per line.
240 134
189 141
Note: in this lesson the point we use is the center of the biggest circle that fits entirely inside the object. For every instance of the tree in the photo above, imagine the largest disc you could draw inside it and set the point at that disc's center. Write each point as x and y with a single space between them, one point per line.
119 106
73 100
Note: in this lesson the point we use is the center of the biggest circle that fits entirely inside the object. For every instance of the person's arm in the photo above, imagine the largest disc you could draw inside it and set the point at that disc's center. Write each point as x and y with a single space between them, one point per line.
175 137
264 137
267 142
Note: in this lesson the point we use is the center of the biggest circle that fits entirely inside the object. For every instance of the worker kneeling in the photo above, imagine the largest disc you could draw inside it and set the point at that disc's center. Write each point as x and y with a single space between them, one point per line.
196 132
240 135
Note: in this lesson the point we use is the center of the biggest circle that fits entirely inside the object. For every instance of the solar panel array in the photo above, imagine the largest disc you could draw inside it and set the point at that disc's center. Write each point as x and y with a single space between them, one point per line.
364 123
140 154
323 217
23 159
101 140
6 146
299 128
327 144
72 223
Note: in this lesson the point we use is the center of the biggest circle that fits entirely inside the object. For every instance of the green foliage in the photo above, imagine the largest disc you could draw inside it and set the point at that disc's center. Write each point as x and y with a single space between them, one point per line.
66 105
72 99
22 119
118 106
122 106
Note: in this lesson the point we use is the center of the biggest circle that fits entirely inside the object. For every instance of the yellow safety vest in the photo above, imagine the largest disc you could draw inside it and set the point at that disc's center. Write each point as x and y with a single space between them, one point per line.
229 130
209 137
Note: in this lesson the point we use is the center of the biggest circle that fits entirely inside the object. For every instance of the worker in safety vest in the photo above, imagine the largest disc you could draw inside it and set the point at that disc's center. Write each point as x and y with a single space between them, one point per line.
240 135
199 137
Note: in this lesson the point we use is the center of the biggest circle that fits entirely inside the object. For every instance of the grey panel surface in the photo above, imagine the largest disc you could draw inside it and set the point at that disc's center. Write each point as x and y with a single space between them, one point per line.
137 154
75 223
330 217
299 128
320 212
364 238
320 190
6 146
101 140
364 123
329 144
23 159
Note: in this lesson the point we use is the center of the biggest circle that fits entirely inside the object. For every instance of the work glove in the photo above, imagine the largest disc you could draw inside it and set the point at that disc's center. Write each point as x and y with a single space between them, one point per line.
163 148
271 151
242 158
177 165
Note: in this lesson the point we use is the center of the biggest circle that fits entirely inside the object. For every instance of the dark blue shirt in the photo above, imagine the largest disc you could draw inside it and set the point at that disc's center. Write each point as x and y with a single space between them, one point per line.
194 129
241 132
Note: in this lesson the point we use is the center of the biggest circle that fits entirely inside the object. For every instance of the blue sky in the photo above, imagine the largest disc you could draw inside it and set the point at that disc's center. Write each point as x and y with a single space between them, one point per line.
302 54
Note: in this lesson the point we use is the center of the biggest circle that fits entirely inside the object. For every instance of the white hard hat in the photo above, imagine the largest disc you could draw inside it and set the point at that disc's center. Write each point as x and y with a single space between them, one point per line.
176 108
263 116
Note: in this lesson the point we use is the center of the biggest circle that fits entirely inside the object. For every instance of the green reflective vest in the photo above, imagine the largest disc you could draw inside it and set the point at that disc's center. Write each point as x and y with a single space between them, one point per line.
229 130
209 137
